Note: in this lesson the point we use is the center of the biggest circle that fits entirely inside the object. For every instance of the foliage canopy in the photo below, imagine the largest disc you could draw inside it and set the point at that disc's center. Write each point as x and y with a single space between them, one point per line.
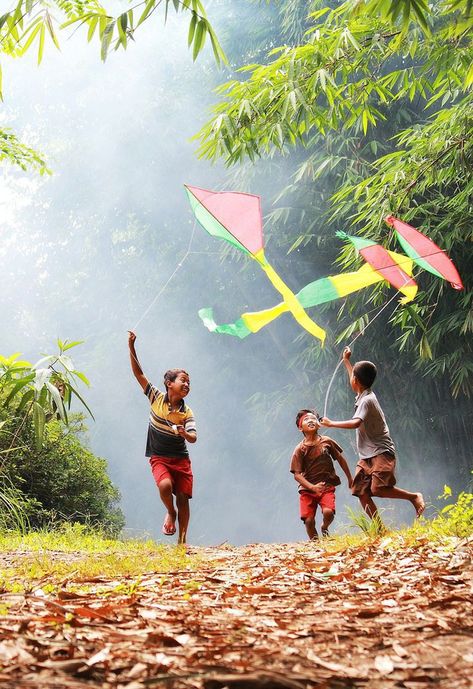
376 105
31 24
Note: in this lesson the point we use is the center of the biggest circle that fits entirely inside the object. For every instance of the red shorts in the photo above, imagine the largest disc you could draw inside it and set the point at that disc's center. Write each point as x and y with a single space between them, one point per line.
177 469
308 502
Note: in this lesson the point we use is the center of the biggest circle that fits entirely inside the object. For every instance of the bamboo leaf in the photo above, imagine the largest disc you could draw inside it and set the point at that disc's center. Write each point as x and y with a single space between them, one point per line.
149 6
107 39
199 37
41 43
192 26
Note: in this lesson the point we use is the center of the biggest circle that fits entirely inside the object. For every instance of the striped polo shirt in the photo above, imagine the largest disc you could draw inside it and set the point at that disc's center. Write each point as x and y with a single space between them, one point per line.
161 438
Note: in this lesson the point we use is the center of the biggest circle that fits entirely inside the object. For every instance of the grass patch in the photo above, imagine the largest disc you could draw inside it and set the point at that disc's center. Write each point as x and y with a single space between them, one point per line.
73 552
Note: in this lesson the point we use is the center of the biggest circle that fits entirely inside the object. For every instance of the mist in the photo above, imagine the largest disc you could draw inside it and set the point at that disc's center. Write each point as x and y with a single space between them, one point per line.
89 253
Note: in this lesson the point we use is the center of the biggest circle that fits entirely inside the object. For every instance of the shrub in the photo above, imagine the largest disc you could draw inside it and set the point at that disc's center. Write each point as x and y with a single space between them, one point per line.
62 480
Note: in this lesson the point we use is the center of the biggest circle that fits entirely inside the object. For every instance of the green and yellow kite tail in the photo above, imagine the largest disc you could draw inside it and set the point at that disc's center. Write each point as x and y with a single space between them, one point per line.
315 293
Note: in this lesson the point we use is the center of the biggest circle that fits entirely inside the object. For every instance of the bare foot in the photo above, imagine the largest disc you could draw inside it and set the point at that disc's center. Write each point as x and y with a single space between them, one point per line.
169 526
419 504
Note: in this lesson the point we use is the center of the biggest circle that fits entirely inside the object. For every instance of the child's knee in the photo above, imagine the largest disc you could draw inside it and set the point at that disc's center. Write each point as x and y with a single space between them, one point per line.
328 514
309 521
165 486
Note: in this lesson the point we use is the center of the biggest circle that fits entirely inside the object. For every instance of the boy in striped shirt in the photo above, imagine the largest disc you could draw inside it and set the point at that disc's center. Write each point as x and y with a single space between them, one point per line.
171 424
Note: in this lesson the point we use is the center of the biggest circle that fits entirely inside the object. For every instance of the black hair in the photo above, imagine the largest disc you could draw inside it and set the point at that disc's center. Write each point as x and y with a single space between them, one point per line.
365 373
303 412
171 375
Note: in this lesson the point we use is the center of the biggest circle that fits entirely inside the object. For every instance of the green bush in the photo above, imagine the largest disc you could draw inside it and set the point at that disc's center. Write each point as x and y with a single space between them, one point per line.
62 480
456 518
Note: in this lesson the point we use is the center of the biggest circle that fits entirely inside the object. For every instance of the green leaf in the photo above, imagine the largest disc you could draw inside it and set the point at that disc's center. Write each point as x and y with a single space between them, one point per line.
82 377
50 27
39 420
199 37
93 22
107 39
469 77
33 29
149 6
41 43
192 26
17 387
81 400
68 345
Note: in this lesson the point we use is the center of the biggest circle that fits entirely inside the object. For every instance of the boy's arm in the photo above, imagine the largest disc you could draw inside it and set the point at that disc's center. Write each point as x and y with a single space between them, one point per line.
316 488
135 364
349 423
345 468
190 436
346 360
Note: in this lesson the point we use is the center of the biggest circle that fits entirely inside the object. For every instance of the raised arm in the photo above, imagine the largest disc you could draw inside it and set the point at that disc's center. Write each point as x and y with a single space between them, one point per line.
135 364
346 360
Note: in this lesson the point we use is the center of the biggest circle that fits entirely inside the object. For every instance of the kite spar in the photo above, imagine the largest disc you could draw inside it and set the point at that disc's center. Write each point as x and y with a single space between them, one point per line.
236 218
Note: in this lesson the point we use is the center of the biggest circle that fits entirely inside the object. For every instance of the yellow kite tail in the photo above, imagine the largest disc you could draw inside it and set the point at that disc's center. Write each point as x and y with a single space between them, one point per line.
290 299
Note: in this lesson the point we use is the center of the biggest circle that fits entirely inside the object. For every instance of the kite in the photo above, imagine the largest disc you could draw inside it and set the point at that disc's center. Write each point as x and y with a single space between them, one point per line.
424 252
236 217
386 263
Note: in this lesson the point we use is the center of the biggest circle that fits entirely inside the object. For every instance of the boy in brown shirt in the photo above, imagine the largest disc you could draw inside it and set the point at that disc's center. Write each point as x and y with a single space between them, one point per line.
313 469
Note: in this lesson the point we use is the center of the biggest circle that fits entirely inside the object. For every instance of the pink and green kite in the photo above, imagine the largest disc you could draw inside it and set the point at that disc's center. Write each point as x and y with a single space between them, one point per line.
236 218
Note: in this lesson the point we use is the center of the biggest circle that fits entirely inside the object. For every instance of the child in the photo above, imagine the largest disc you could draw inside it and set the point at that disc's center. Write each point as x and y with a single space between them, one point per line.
171 423
374 474
312 466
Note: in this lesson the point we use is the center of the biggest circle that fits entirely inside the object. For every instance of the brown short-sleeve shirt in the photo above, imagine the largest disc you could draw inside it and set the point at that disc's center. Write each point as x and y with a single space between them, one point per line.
316 461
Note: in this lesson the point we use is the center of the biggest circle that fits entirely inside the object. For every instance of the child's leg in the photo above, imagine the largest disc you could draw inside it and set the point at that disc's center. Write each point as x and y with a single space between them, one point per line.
308 508
368 506
165 493
164 482
328 519
416 499
310 528
183 515
327 505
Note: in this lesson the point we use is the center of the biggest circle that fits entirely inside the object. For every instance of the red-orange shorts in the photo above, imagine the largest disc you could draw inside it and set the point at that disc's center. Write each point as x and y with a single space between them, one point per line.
308 502
177 469
375 472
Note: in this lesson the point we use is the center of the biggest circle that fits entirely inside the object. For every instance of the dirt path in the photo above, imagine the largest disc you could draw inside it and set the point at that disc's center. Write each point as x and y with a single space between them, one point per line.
259 616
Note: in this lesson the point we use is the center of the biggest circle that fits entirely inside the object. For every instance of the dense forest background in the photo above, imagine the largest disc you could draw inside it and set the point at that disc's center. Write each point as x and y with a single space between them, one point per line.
88 250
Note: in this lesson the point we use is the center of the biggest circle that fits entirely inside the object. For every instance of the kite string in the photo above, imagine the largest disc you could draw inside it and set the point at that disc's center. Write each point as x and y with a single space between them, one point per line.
179 265
350 344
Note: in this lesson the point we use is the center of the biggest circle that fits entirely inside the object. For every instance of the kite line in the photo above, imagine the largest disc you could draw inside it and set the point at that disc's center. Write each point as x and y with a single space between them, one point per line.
176 269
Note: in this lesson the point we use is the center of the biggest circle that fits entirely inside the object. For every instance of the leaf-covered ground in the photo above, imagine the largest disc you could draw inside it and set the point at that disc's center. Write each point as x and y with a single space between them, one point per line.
272 616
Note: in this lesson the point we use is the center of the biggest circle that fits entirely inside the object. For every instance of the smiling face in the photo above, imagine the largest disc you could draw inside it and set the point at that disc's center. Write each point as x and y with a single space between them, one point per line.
177 383
309 424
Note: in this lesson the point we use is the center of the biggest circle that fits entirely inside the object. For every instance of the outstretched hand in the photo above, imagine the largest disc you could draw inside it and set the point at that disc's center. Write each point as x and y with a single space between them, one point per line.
131 338
324 421
346 354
